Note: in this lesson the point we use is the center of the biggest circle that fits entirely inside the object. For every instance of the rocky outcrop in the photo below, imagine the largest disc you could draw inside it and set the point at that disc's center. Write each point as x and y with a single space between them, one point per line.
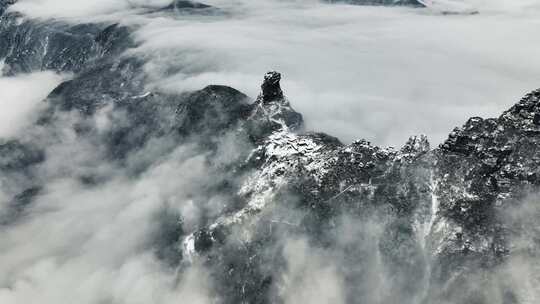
442 209
183 4
28 45
185 7
4 4
271 110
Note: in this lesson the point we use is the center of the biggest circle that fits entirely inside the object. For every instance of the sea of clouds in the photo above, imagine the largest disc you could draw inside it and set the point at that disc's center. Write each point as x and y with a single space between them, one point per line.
354 72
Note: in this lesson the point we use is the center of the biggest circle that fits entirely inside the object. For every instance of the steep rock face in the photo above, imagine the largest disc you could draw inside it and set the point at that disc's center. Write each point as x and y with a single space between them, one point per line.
213 109
4 4
484 169
320 180
271 110
28 45
442 209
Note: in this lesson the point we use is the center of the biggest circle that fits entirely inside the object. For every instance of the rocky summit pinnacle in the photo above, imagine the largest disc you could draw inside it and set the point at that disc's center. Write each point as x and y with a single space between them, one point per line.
271 89
272 111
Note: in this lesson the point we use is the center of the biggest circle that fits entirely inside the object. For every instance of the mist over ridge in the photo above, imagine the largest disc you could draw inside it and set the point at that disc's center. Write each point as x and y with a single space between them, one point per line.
352 62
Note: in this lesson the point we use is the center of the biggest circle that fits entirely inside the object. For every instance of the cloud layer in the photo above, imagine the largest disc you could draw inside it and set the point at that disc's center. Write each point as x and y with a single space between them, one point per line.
355 72
22 96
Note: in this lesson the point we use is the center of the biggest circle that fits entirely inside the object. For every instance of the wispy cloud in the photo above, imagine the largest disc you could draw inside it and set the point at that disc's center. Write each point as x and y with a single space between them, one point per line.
21 97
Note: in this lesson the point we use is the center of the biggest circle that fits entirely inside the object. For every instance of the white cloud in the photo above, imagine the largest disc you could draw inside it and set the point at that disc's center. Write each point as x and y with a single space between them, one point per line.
20 97
95 244
353 71
357 72
310 277
78 9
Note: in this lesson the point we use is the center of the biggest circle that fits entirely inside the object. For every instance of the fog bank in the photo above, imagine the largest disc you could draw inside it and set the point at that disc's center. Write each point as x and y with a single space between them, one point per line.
378 73
22 96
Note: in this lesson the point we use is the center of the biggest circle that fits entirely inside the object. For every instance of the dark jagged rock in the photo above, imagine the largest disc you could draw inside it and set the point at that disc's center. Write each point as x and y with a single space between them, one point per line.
113 40
212 109
188 7
447 201
185 4
15 209
33 45
413 3
16 156
4 4
272 111
483 169
466 180
146 115
19 162
271 88
105 83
